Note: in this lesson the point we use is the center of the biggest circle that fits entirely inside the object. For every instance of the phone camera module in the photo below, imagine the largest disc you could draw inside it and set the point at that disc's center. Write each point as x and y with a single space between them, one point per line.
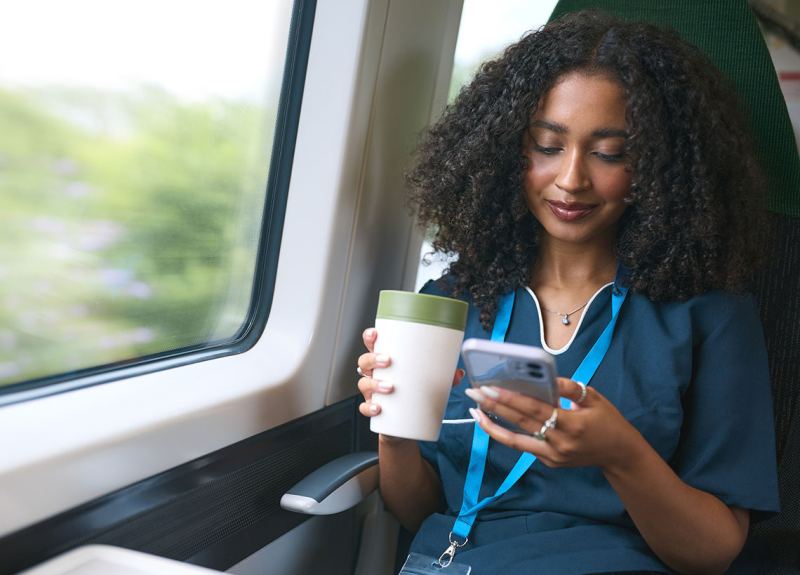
529 371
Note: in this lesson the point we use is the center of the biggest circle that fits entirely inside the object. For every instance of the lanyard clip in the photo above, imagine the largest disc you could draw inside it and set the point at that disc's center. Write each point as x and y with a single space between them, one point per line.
447 557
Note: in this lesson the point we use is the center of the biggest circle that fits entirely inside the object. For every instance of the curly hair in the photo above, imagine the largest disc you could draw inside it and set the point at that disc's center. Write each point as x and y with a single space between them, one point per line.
696 190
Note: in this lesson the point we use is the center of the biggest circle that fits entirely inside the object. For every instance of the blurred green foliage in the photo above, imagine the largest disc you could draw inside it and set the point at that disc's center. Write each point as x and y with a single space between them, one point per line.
129 224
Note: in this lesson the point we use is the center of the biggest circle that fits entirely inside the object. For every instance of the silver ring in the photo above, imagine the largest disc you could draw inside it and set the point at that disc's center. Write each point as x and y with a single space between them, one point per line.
548 425
360 373
551 422
583 392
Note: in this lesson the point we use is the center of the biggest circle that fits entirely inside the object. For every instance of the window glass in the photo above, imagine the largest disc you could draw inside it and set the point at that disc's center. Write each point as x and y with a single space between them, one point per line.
486 29
135 140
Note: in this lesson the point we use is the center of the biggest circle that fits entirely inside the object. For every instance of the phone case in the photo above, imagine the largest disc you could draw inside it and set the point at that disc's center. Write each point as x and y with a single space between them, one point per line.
522 368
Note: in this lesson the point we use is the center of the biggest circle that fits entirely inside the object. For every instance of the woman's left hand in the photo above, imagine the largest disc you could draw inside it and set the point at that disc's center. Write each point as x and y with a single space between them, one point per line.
592 433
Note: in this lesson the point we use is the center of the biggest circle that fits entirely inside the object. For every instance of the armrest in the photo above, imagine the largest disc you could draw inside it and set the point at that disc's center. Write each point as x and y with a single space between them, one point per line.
336 486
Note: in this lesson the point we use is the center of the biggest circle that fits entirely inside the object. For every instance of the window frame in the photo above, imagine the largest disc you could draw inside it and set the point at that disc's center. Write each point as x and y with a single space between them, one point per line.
277 190
67 449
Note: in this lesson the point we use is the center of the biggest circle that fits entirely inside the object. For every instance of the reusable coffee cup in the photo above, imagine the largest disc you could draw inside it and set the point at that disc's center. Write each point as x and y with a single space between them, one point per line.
422 334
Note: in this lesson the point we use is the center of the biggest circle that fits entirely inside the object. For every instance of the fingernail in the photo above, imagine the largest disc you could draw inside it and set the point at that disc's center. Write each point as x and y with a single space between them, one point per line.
369 333
373 409
475 395
385 385
490 392
382 358
476 415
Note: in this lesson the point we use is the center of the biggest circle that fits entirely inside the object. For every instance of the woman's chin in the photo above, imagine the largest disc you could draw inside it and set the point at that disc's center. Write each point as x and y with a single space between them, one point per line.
571 233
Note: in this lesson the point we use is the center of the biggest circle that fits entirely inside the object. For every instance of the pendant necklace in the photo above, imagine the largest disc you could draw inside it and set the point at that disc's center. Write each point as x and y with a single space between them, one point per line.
565 321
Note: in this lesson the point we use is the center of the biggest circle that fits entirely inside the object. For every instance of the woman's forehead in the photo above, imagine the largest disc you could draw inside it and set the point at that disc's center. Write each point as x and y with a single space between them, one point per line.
582 102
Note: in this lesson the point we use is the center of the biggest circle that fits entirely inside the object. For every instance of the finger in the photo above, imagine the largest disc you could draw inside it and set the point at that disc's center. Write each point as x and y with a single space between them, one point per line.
521 410
369 361
569 389
367 386
572 391
369 336
458 376
369 409
518 441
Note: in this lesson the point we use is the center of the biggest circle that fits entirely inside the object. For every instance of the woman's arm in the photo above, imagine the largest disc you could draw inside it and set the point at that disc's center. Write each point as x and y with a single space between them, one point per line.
409 486
690 530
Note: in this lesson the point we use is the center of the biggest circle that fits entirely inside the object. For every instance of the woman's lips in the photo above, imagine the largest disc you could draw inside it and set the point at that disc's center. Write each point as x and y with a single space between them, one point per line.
570 211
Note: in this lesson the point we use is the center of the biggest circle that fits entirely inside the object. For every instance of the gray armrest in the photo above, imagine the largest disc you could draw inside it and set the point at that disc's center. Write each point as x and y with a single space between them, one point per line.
336 486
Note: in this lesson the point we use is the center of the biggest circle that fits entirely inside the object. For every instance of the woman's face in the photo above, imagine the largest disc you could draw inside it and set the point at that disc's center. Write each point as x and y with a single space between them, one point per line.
576 182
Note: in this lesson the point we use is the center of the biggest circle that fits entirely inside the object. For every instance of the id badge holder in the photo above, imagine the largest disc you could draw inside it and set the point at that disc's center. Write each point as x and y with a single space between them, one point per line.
417 564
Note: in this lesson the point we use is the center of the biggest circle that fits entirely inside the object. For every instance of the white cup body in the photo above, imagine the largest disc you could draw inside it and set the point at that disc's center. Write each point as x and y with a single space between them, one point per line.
424 359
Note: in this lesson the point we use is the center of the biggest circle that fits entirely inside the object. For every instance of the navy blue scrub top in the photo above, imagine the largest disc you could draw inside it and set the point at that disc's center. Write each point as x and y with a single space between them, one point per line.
691 376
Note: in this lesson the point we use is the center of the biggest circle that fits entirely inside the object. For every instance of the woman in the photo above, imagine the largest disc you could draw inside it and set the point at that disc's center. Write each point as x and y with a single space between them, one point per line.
597 164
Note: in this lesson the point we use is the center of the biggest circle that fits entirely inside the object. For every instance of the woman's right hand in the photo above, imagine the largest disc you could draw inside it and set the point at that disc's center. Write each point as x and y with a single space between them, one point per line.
366 385
369 386
409 485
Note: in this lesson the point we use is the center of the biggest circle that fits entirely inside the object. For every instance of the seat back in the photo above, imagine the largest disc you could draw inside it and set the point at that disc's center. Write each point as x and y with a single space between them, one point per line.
777 290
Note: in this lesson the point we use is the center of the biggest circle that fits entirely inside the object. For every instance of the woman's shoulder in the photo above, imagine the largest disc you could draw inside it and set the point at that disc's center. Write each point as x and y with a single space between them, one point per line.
443 287
706 313
712 302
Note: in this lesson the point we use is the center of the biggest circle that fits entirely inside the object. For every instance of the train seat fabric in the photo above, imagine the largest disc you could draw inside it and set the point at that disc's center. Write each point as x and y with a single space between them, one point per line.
728 33
778 296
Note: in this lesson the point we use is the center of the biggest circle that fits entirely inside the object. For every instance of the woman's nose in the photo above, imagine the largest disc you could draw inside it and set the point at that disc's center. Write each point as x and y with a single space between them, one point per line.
572 176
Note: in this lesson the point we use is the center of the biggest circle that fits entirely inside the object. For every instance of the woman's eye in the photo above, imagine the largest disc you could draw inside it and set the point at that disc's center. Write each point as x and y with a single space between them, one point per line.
546 151
610 157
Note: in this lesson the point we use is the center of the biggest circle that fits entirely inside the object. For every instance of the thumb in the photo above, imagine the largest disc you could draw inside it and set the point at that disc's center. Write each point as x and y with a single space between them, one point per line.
458 376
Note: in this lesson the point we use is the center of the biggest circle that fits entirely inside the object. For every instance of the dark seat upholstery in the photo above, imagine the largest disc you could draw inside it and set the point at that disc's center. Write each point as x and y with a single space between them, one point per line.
728 32
777 290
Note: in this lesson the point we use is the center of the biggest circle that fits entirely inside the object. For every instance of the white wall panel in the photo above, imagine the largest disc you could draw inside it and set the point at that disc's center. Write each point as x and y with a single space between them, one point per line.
412 84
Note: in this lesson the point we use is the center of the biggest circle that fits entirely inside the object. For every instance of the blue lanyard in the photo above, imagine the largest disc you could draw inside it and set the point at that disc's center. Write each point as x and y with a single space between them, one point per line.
480 439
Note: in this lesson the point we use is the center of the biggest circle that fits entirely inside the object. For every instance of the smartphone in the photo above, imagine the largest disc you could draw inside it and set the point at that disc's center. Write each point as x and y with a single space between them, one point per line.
525 369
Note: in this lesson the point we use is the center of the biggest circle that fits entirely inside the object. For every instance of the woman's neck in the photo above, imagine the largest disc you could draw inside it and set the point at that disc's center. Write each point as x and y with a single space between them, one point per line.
565 265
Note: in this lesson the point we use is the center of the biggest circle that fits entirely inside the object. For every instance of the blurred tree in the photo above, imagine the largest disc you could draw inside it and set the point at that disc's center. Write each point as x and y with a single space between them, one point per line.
129 224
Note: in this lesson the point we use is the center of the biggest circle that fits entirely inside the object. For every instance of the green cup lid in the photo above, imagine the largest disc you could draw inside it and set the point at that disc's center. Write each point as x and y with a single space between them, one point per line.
422 308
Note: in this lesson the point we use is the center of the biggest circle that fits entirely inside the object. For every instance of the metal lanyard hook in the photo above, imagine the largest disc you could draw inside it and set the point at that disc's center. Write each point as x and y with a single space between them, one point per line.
447 557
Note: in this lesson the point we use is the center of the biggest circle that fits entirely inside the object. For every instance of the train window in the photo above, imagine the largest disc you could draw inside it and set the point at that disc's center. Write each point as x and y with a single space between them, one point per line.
135 147
486 29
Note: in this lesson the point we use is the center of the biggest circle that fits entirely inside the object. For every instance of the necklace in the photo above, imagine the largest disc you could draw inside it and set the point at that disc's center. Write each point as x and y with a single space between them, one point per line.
565 321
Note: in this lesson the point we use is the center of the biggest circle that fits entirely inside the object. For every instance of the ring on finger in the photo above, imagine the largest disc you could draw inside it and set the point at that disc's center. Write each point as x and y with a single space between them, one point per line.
360 373
583 392
551 422
548 425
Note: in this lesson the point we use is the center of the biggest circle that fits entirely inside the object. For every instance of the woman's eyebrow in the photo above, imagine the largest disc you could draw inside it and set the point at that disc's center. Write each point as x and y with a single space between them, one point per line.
600 133
609 133
552 126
